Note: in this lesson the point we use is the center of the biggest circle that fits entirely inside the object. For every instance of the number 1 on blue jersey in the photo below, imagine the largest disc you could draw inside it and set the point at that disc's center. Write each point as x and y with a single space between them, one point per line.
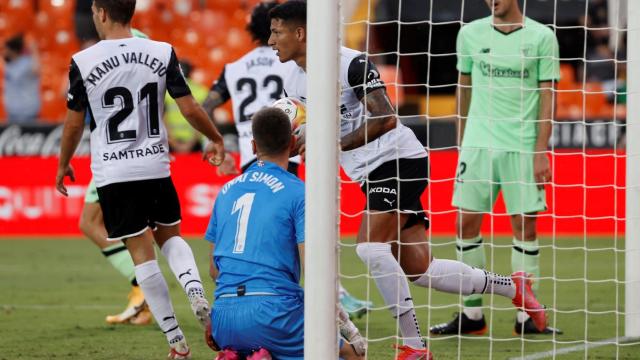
243 205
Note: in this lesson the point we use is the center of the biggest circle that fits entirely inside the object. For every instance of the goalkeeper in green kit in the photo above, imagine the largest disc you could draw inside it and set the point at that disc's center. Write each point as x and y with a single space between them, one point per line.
508 64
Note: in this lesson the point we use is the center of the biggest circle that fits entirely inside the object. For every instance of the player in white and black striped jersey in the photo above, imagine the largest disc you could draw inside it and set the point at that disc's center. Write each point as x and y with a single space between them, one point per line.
391 164
252 82
121 81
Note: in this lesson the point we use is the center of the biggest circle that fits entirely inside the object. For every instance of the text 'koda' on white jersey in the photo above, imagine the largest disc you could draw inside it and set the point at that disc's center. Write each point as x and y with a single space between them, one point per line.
121 84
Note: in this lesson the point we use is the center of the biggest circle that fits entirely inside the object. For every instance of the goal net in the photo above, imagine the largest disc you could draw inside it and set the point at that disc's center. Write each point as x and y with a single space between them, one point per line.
588 236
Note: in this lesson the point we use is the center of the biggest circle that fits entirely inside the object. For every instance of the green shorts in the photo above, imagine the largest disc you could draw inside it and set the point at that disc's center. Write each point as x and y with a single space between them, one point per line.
91 196
482 173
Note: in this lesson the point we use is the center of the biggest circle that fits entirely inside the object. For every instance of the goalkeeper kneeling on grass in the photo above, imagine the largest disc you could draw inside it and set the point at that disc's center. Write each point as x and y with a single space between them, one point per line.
256 232
509 63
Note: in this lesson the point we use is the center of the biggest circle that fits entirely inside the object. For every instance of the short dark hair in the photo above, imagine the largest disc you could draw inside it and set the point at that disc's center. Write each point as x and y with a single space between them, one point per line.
260 25
294 11
16 43
271 131
120 11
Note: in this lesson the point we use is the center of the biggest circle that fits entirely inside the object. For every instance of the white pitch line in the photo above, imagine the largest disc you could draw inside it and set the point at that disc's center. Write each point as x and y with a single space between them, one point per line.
570 349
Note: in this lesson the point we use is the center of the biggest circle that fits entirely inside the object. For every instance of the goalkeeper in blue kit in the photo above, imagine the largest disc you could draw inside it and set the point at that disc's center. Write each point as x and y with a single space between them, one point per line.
257 236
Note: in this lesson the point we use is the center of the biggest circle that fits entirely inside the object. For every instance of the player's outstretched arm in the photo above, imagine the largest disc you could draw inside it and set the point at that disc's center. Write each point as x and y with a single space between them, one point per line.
71 136
213 100
382 119
199 120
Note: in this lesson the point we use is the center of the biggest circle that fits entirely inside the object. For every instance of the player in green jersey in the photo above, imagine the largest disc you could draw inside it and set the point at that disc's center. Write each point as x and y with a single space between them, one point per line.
508 64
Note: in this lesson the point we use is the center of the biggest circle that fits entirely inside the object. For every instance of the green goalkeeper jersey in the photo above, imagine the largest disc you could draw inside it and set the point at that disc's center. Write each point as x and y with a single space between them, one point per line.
505 69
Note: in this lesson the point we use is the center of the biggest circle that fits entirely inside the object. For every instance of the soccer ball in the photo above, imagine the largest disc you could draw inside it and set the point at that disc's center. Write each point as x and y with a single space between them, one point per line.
295 110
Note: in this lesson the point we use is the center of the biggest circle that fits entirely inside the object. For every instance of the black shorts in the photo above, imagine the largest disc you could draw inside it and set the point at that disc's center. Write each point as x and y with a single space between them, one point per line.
129 208
397 186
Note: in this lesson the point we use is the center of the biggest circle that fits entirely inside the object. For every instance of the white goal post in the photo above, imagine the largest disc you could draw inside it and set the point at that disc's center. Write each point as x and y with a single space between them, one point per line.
632 236
321 216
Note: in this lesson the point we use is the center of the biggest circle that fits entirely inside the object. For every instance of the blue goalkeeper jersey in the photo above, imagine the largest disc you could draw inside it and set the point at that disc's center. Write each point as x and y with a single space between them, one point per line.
256 226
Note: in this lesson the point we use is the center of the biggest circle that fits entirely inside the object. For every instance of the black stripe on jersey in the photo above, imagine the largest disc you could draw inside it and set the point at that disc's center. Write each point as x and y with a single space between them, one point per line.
363 76
220 86
92 119
176 83
77 94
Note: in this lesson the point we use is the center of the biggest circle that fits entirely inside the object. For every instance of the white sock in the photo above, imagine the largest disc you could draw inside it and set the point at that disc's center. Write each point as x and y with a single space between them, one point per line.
473 313
522 316
183 265
156 294
394 288
459 278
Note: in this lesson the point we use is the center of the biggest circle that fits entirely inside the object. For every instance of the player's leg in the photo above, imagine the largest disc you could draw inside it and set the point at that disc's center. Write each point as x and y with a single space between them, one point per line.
523 199
166 216
126 210
92 226
473 196
274 323
459 278
156 290
448 275
379 229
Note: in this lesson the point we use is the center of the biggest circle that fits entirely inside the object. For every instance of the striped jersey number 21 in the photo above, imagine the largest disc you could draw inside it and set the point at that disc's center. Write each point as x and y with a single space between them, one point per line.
242 205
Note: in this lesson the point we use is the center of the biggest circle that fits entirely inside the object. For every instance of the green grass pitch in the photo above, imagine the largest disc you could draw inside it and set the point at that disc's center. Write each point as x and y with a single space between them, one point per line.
54 295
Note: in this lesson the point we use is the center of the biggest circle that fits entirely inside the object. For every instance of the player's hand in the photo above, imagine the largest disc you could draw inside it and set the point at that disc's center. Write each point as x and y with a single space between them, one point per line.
62 172
228 167
541 169
302 151
214 153
208 338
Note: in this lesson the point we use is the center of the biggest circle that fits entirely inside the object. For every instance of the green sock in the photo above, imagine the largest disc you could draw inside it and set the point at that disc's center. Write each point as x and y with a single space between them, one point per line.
525 256
471 252
120 259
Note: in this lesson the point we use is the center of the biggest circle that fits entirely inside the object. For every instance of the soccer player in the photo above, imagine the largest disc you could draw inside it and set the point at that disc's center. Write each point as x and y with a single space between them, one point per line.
92 226
386 157
257 238
121 82
507 65
252 82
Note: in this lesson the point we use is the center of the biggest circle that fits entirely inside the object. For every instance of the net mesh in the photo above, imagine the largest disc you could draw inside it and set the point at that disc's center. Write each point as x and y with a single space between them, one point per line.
581 234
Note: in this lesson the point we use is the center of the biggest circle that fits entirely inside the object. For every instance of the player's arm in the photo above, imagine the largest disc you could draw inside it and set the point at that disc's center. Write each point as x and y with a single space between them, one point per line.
213 100
73 126
71 136
463 102
192 111
197 117
464 65
364 79
382 119
541 167
548 72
